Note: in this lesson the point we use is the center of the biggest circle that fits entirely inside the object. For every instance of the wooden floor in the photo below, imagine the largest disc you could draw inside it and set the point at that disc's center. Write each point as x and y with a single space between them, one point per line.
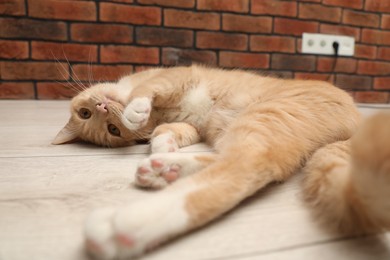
46 192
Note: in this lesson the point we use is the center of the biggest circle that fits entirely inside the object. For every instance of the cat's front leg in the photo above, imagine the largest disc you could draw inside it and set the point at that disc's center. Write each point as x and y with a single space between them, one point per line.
137 113
170 137
161 169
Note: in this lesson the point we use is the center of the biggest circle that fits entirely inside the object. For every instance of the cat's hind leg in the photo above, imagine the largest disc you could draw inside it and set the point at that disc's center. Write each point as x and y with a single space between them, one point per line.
348 183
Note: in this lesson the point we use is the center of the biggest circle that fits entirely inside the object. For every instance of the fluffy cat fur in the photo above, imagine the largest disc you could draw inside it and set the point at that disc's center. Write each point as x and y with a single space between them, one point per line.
262 130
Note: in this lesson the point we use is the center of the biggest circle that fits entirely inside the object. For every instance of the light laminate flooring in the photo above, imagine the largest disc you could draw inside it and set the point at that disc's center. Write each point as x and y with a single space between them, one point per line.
46 191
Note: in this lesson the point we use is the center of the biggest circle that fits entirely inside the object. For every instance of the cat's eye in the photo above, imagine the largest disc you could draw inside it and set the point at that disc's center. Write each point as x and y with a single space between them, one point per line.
84 113
113 130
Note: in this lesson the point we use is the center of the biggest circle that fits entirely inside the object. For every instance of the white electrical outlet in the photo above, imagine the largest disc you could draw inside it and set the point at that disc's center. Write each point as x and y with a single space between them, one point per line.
316 43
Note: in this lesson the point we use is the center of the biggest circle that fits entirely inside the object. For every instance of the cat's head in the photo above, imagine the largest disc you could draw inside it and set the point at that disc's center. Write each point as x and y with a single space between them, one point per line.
96 117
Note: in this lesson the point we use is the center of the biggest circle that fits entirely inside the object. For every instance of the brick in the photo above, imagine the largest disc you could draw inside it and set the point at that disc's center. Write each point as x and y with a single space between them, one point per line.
319 12
371 97
63 10
293 62
274 7
174 56
241 6
373 67
164 37
376 37
140 68
16 90
353 82
365 51
243 60
32 29
294 27
211 40
346 65
189 19
63 51
313 76
245 23
377 6
272 43
140 15
313 1
52 90
385 24
13 49
384 53
12 7
101 33
34 71
363 19
170 3
92 73
382 83
340 30
129 54
355 4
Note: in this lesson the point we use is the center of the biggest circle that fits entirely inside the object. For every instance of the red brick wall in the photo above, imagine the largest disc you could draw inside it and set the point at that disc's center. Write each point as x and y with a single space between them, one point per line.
46 45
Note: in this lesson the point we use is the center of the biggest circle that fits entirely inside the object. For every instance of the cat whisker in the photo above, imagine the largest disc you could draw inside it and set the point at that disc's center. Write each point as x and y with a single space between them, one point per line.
95 99
90 72
74 76
64 76
69 85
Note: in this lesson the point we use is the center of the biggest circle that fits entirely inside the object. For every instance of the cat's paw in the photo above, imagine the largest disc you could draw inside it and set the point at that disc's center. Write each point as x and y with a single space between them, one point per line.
99 234
161 169
164 143
126 232
136 113
157 171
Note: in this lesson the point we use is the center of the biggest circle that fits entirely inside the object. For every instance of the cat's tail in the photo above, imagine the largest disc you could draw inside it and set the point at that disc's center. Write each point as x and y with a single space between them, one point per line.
348 183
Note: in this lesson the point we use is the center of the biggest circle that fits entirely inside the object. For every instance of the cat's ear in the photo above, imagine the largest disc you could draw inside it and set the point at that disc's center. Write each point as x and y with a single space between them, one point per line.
68 134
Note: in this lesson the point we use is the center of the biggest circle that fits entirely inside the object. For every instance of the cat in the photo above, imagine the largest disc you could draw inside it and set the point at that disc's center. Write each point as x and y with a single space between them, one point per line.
262 130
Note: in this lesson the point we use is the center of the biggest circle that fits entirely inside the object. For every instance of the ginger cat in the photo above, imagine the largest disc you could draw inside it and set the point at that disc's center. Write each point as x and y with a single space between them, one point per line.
262 130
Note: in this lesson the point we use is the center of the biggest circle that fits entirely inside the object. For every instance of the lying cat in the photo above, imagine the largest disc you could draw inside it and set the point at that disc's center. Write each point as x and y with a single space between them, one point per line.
262 130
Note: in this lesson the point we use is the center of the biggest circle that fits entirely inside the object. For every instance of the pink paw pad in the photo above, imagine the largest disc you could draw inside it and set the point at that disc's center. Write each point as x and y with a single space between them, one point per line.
170 176
125 240
143 170
157 164
157 173
172 173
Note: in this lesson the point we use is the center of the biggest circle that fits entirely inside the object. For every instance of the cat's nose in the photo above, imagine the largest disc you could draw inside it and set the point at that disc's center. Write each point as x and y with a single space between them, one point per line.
102 107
